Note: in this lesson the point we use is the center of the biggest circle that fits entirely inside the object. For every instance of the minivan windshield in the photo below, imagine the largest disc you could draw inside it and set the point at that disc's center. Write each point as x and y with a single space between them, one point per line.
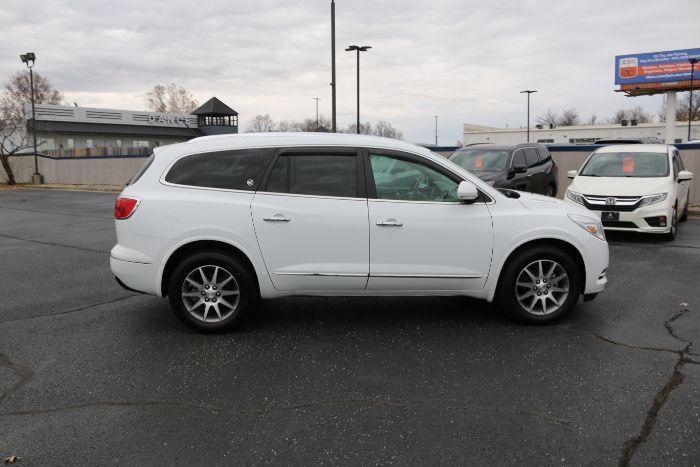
626 164
481 160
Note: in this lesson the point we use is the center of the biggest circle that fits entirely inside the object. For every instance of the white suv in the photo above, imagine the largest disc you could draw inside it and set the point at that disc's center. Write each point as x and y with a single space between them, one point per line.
218 222
634 187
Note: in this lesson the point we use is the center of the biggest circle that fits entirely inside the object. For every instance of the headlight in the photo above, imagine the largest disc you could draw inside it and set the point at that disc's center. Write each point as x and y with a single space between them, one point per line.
651 199
575 197
589 224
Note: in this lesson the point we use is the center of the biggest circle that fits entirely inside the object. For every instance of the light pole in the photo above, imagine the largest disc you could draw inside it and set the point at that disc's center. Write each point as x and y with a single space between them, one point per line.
528 92
358 49
436 132
333 122
317 99
28 59
692 61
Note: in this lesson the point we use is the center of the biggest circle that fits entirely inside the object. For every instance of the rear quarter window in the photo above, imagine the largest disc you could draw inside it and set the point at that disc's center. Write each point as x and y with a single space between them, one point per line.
240 169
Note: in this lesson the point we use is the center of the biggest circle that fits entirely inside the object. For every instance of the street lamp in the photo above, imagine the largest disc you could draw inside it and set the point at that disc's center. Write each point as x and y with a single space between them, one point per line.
692 61
333 122
528 92
28 59
359 49
317 99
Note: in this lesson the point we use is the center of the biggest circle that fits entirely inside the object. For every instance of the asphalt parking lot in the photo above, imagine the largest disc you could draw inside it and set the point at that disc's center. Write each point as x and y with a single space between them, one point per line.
91 373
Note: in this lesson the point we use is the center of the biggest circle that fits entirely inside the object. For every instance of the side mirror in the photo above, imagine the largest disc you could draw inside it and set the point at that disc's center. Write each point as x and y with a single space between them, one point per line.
467 191
684 175
571 174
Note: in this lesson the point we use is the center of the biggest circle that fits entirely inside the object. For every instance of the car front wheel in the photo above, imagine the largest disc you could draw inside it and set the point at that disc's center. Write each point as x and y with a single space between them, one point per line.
211 291
540 285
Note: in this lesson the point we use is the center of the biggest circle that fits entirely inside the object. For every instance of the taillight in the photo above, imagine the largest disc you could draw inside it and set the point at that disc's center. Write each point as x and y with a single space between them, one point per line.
125 207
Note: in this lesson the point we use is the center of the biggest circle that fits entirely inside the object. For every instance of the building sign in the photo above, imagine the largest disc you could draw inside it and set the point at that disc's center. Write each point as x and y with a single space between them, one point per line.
172 119
656 67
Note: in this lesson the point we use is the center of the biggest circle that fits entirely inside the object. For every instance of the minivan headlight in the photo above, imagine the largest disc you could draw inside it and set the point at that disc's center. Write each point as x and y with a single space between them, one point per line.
575 197
651 199
589 224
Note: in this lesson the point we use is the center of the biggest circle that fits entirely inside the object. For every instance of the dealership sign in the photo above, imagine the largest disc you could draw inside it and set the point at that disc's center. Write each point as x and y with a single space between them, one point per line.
172 119
656 67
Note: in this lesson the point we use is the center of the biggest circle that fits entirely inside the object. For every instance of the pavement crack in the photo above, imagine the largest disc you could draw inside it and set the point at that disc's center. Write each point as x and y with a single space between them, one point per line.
116 403
661 397
41 242
72 310
24 374
635 347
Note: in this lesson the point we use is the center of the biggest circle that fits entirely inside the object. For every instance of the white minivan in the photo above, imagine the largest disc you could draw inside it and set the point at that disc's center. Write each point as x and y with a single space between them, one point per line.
219 222
634 187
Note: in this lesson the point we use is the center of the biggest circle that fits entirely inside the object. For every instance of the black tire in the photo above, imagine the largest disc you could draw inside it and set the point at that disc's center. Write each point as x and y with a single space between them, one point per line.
551 191
245 301
506 294
684 217
671 235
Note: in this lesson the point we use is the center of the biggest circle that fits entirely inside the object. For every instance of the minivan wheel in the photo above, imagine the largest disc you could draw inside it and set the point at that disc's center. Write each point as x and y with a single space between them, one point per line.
540 285
671 234
210 292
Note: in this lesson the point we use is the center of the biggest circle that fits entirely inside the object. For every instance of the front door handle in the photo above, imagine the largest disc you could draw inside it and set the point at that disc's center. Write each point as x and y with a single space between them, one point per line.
277 218
389 223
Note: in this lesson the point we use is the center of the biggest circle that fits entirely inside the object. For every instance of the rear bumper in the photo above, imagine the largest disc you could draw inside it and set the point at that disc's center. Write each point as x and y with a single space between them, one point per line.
139 277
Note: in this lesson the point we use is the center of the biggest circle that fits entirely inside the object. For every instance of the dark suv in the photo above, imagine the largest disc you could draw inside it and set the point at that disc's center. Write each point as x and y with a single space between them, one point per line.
522 167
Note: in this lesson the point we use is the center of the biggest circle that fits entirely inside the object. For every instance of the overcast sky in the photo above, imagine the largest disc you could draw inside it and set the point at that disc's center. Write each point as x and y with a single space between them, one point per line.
463 60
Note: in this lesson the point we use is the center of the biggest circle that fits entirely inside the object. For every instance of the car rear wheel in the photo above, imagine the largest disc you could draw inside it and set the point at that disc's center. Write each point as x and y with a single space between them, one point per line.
211 291
540 285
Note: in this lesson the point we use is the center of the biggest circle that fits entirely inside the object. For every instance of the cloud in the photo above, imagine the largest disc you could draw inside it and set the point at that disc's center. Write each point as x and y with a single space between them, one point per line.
465 61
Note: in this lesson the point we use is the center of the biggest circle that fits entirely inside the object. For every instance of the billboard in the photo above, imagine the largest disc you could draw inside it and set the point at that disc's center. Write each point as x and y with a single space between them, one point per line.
656 67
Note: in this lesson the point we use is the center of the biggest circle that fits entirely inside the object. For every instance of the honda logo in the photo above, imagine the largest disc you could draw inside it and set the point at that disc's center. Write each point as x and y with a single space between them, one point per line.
610 201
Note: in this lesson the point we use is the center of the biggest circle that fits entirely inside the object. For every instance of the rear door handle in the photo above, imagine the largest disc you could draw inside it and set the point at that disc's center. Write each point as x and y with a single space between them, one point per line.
389 223
277 218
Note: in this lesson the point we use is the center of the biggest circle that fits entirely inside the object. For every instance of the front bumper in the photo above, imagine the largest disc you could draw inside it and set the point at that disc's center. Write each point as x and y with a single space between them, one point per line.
636 221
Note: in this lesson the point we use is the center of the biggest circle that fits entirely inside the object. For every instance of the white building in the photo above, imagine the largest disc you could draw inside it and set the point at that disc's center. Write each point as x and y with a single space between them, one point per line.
580 134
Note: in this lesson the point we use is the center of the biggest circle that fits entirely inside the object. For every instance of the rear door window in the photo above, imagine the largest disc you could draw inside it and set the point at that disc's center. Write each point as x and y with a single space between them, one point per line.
531 157
518 159
239 169
314 174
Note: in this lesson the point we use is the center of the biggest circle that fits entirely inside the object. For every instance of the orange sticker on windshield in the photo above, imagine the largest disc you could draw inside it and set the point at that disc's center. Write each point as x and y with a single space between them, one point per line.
479 162
628 165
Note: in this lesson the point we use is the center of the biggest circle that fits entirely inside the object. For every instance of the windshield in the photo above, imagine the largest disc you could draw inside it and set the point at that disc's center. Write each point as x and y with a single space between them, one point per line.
481 160
626 164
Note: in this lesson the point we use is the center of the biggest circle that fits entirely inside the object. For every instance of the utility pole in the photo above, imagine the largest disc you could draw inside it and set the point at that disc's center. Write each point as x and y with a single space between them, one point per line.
528 92
692 61
436 131
333 121
317 99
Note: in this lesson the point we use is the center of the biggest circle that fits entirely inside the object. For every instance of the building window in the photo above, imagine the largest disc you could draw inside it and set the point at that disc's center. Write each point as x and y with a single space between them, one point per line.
88 143
546 140
678 140
50 144
141 144
118 143
70 144
582 140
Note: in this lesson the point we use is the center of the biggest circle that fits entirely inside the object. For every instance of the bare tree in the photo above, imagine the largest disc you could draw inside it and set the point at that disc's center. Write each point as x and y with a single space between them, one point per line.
637 113
261 124
386 129
170 98
13 130
549 118
682 108
365 128
18 92
569 117
592 119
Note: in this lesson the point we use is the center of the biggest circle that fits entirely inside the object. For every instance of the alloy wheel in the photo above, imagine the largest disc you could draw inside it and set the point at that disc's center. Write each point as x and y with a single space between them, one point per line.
210 293
542 287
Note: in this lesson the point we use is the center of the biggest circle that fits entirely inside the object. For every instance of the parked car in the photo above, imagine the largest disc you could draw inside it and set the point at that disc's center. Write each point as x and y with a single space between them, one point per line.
218 222
522 167
640 187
